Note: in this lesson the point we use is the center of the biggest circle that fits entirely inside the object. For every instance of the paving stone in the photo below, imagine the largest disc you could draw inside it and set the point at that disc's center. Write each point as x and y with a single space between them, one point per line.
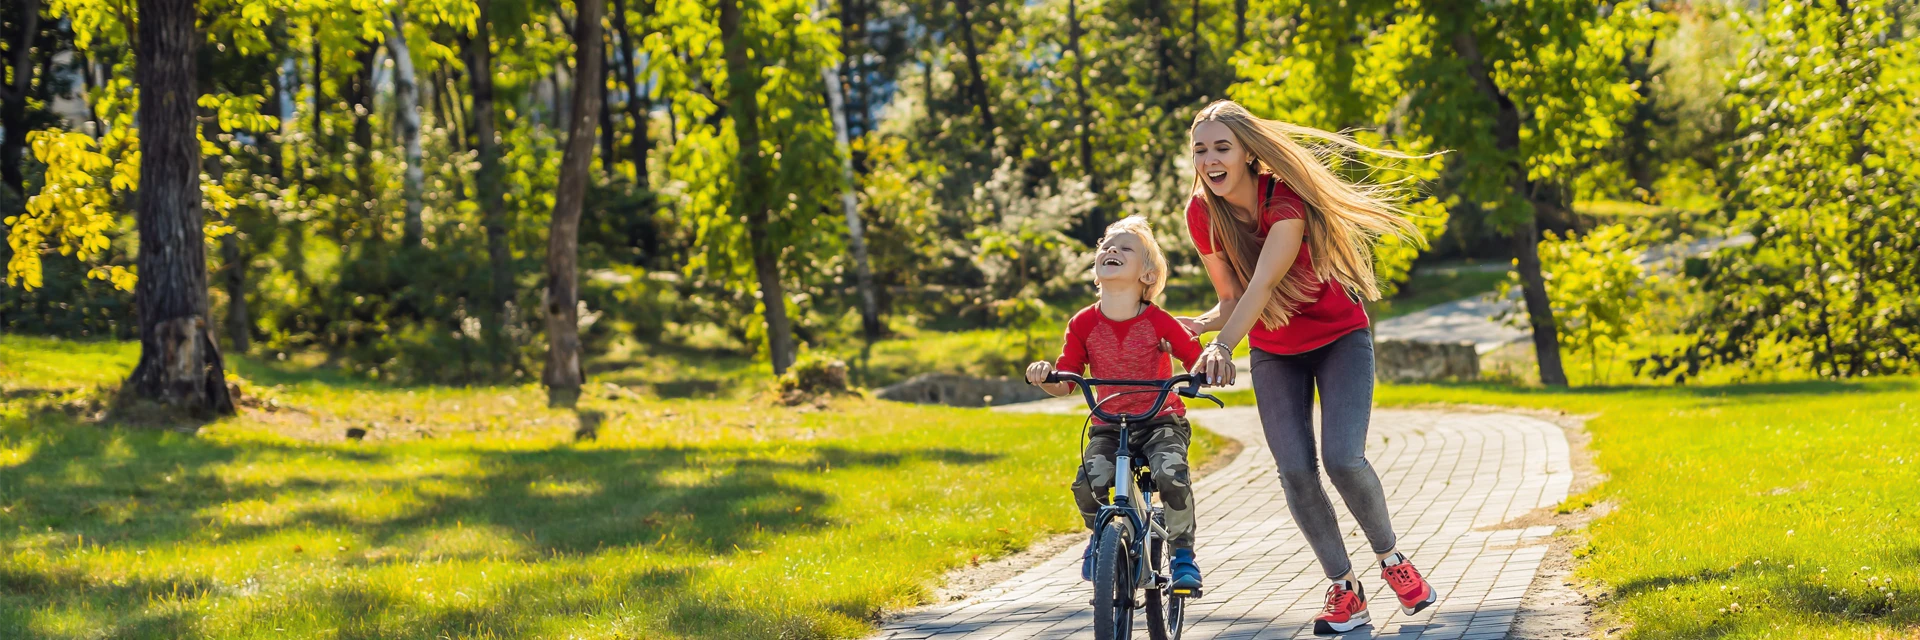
1449 478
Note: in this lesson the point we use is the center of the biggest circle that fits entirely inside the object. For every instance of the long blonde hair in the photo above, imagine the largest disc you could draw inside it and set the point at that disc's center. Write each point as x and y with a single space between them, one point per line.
1343 218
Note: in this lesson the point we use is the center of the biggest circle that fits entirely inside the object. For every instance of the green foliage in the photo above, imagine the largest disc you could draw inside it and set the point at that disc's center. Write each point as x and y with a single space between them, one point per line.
1823 173
1599 292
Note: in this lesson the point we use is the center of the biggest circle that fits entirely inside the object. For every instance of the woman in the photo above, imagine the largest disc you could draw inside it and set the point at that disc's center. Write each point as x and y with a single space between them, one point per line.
1287 244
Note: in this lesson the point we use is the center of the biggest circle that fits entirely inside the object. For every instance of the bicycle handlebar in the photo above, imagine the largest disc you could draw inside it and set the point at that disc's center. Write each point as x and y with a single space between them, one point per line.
1192 390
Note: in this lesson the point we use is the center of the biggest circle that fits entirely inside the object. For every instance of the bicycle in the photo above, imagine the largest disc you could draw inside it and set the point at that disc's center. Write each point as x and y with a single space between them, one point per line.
1120 568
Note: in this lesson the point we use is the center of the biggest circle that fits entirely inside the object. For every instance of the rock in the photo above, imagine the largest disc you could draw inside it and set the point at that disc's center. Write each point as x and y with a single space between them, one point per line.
1416 361
961 391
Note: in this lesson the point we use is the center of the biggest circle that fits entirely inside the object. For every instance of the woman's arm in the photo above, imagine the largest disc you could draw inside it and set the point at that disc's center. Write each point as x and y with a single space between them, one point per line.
1225 286
1276 257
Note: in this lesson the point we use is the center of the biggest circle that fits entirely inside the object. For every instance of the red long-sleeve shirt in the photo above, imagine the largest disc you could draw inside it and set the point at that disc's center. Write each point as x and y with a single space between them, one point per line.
1127 350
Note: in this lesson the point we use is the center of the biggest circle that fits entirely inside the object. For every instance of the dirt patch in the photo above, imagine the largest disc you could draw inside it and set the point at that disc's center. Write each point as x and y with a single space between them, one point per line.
962 583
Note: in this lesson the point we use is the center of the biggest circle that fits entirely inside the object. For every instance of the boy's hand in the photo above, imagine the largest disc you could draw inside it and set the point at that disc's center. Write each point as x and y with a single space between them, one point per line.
1037 376
1037 372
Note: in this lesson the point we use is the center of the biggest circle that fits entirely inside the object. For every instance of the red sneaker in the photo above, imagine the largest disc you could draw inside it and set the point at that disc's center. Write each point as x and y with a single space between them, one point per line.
1414 592
1345 611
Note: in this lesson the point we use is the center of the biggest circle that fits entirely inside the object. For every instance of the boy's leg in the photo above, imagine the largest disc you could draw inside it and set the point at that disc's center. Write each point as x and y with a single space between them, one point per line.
1165 450
1094 481
1092 484
1166 453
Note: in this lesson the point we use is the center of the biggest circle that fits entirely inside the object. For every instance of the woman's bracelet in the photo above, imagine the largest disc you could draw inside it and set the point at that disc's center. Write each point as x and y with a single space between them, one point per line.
1222 345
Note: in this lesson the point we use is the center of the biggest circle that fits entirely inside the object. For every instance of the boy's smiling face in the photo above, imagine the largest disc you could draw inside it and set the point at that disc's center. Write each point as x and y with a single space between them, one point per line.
1122 261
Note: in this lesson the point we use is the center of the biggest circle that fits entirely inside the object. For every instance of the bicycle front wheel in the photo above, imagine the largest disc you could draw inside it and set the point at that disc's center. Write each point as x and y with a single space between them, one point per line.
1112 585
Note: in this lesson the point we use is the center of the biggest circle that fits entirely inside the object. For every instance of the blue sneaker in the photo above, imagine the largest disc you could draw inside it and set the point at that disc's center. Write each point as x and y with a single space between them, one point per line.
1186 572
1086 558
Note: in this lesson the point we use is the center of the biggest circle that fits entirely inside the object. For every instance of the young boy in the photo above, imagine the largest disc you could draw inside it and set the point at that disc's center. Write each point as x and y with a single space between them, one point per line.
1120 337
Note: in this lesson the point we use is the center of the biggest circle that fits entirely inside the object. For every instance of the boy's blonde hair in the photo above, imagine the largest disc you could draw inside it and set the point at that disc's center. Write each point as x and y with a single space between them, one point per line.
1156 260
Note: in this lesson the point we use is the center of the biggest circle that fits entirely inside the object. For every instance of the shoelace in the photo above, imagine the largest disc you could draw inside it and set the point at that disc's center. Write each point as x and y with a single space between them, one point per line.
1401 575
1335 599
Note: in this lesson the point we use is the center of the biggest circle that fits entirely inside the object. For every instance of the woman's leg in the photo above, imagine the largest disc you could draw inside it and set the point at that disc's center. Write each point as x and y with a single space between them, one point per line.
1345 377
1284 388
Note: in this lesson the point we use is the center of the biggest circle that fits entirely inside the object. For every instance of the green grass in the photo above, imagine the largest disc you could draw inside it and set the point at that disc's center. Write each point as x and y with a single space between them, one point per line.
1798 502
471 512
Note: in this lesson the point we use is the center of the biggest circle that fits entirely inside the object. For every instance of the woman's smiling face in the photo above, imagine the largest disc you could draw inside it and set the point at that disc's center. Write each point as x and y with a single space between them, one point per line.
1219 158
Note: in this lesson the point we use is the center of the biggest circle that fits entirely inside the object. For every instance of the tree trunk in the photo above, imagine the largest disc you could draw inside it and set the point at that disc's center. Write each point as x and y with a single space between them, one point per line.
361 97
563 376
856 232
489 184
180 364
233 259
1525 233
1533 287
977 82
607 153
1239 24
743 88
406 97
1096 220
639 105
13 109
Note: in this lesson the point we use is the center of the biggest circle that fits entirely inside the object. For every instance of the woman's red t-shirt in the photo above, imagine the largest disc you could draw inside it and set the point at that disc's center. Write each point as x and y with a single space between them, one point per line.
1332 314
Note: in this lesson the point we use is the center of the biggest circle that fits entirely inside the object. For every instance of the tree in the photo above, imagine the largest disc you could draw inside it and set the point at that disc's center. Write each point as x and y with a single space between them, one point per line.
563 375
750 201
14 94
1523 95
1823 174
490 184
406 96
850 204
180 364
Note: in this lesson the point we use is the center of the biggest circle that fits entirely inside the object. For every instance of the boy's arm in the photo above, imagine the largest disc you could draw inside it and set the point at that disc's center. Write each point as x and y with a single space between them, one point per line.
1186 346
1073 359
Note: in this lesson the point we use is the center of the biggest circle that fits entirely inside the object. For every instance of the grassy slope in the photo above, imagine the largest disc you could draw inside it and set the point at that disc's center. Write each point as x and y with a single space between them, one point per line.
471 513
1800 503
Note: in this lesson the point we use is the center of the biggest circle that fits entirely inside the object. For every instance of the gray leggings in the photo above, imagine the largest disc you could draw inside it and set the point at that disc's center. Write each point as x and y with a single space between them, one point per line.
1284 386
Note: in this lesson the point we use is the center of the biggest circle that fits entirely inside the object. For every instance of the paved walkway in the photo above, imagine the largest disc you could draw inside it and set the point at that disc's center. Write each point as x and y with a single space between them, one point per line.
1463 320
1450 477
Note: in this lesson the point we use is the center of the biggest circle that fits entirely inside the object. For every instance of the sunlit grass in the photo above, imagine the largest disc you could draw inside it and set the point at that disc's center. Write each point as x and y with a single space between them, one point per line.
1745 511
475 513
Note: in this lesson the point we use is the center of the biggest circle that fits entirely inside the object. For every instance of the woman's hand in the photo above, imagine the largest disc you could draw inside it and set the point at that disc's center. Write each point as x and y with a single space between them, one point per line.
1215 365
1194 326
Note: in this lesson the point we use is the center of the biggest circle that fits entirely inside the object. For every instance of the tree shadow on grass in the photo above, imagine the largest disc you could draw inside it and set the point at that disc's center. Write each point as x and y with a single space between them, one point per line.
135 489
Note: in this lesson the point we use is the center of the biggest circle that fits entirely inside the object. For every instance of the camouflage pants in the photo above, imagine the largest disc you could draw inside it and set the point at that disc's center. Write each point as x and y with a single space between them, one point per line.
1162 442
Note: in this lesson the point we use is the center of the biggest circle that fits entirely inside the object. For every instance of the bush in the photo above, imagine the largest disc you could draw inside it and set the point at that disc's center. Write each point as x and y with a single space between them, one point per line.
813 376
1598 292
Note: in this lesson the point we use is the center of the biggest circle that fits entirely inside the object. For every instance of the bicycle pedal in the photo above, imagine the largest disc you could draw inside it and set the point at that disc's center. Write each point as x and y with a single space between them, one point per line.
1184 593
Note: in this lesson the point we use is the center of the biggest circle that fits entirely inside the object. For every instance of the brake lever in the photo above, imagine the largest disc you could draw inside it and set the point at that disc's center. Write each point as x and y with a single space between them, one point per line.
1216 401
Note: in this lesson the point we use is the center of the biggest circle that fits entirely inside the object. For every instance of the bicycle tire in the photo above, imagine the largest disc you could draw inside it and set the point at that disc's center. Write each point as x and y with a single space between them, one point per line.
1166 614
1112 593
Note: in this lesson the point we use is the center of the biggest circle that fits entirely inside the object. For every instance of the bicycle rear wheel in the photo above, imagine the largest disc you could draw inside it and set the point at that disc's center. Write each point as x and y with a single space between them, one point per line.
1112 584
1166 615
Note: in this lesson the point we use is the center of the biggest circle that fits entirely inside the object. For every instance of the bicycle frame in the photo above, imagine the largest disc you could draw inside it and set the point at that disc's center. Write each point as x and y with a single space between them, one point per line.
1129 499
